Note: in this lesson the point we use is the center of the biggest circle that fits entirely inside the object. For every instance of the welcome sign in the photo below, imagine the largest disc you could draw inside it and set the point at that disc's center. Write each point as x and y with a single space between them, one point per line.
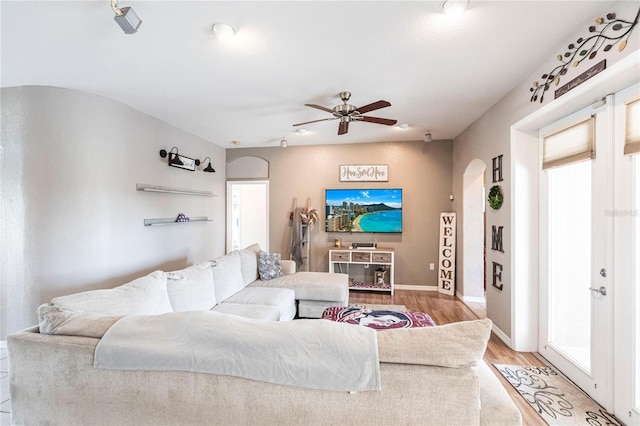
447 254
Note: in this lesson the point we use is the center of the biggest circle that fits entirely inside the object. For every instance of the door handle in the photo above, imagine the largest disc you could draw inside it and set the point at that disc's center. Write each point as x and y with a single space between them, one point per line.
601 290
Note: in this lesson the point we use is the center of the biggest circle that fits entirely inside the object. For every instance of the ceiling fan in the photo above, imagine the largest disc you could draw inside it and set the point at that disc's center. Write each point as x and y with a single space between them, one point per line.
347 113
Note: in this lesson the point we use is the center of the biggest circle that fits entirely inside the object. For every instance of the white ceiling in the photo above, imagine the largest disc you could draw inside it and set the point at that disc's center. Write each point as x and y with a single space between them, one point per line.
438 72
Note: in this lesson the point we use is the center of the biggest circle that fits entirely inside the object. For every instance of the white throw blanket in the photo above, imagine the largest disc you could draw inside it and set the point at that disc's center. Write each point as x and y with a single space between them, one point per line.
315 354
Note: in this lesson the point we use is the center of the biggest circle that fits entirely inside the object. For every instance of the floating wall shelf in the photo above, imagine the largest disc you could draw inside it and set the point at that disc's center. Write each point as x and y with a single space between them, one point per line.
170 190
172 221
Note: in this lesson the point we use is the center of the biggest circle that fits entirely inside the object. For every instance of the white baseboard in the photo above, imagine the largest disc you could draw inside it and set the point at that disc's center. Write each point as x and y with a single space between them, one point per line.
469 299
415 287
506 339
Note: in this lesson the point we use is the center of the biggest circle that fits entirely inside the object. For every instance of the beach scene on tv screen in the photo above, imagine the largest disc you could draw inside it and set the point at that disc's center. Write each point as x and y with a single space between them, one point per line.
363 210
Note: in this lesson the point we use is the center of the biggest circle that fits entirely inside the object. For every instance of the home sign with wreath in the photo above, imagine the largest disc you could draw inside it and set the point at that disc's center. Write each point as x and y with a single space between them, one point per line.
495 197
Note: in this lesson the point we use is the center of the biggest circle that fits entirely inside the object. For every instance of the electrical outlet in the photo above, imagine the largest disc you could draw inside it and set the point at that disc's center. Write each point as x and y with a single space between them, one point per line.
432 266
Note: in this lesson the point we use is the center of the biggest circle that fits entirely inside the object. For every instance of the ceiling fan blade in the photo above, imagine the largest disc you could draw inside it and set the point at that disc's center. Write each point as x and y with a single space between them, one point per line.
330 111
378 120
373 106
315 121
343 127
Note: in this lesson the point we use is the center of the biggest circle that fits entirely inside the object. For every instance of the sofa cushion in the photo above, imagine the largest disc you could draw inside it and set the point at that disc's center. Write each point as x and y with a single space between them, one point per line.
249 263
269 265
191 289
227 276
283 299
459 344
143 296
57 320
312 285
261 312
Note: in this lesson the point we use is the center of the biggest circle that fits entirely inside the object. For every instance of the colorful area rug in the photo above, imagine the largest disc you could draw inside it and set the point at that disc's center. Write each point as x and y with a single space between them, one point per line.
383 319
555 399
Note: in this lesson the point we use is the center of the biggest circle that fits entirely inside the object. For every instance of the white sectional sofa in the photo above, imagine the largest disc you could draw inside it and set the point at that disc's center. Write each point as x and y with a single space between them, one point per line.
186 359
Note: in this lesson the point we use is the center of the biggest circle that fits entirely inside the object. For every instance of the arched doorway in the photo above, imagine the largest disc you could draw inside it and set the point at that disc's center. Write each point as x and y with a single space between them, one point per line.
473 232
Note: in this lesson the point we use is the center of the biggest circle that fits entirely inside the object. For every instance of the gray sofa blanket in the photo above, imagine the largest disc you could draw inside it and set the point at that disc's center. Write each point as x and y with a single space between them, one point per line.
314 354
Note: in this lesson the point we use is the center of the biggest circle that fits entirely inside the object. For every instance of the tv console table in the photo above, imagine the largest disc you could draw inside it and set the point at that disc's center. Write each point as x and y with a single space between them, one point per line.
368 269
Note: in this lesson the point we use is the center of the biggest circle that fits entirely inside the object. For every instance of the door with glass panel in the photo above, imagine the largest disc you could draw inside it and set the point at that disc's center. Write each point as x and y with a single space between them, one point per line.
626 218
575 246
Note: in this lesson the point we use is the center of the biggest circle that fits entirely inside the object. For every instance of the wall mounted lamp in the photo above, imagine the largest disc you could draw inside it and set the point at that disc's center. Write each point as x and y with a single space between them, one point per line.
208 169
126 18
180 161
427 136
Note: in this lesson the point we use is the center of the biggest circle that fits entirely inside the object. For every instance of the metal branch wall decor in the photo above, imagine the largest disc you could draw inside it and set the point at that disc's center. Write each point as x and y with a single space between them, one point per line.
613 31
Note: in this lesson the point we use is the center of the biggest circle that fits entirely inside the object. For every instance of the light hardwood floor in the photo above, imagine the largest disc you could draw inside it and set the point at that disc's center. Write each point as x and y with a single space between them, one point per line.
446 309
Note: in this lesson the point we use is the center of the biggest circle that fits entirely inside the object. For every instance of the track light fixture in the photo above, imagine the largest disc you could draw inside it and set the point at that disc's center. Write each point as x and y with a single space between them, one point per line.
427 136
208 169
283 142
126 18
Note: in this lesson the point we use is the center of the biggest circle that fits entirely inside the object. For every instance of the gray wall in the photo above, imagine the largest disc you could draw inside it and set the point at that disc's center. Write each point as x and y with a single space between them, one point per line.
422 170
72 219
491 135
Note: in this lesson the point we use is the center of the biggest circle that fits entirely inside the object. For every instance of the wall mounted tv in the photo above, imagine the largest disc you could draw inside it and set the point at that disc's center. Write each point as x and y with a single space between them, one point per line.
363 210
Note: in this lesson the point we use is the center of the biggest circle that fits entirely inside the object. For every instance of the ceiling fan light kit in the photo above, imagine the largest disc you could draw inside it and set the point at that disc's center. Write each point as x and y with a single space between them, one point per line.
347 113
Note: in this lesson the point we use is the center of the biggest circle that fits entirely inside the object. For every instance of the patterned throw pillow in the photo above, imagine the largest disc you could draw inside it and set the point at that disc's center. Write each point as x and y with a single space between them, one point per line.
269 265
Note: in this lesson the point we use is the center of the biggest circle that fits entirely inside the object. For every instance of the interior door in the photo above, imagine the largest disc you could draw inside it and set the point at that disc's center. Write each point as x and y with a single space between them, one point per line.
575 264
626 217
247 214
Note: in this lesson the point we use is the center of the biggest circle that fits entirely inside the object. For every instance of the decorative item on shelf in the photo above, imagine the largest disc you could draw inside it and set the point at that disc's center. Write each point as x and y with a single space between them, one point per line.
379 276
612 33
180 161
495 197
182 218
208 169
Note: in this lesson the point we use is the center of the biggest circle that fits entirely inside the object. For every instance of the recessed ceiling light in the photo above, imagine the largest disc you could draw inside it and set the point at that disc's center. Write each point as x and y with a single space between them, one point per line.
403 125
223 31
454 7
236 142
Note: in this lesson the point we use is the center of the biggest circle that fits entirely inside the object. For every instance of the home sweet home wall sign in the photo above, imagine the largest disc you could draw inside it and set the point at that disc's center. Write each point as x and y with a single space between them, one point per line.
496 230
447 256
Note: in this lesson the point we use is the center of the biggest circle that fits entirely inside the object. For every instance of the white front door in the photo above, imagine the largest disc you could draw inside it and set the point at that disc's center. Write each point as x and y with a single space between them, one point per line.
575 264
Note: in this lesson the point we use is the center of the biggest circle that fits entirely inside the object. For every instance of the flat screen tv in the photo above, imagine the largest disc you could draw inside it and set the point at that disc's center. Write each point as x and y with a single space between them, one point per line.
363 210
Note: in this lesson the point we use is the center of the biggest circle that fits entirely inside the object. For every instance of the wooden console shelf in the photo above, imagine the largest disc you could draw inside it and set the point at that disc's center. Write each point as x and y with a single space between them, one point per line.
363 265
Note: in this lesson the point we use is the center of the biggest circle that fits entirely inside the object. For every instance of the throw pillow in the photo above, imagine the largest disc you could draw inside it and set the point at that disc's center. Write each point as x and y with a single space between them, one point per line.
249 263
459 344
227 276
192 288
269 265
143 296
